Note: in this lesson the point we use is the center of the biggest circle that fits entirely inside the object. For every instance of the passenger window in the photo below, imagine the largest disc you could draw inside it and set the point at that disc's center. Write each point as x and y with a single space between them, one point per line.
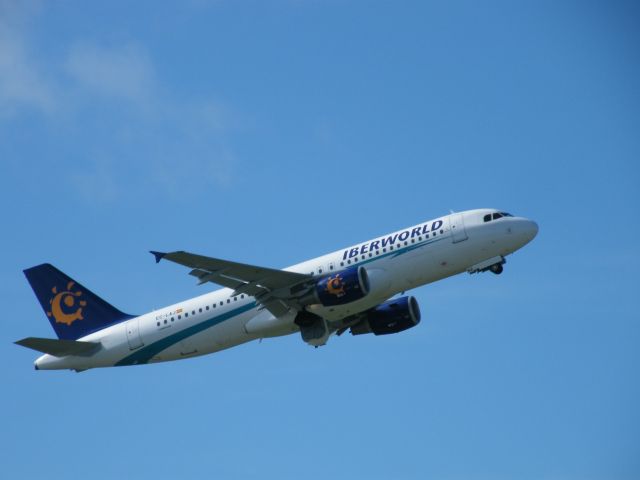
186 315
200 310
241 296
207 307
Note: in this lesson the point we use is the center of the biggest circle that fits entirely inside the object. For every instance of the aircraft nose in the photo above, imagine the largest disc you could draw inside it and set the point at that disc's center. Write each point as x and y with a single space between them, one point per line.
531 229
527 230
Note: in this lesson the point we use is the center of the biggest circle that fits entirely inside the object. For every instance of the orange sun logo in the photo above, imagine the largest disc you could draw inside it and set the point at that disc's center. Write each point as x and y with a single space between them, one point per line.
68 298
335 286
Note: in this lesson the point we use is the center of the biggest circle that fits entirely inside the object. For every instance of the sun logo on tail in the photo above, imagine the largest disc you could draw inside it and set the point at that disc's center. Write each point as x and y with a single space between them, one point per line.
68 298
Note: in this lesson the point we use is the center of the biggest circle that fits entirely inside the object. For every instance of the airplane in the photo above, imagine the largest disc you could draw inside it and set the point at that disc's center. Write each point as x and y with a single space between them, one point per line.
354 288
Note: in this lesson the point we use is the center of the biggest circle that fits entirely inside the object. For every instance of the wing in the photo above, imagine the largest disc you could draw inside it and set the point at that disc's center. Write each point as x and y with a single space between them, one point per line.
273 289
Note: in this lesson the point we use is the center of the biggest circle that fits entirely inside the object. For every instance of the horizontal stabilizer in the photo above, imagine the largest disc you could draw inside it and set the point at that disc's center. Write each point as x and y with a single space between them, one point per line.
58 347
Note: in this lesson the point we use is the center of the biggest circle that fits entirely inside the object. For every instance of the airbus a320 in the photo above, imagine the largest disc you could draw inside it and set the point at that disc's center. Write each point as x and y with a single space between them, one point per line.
358 289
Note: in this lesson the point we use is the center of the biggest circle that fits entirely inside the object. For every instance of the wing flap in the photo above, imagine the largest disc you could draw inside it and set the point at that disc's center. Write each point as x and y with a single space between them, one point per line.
277 307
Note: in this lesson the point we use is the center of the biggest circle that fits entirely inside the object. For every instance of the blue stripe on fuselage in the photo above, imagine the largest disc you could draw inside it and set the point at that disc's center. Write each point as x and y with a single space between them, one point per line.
147 353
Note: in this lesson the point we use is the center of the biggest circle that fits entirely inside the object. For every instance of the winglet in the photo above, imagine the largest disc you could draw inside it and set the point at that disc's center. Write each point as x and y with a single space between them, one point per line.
159 255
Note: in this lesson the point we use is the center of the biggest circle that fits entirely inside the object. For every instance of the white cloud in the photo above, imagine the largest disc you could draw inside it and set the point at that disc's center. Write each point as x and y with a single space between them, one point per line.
162 142
123 71
22 83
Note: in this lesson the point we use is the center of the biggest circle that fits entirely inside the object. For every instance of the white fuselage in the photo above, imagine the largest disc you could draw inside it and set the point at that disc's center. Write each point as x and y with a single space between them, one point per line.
215 321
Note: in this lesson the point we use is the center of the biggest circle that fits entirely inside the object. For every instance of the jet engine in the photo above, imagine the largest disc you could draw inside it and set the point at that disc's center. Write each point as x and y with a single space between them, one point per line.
342 287
389 317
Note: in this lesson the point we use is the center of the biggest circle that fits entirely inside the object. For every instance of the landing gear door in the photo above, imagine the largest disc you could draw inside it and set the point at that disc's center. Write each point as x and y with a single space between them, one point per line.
458 232
133 334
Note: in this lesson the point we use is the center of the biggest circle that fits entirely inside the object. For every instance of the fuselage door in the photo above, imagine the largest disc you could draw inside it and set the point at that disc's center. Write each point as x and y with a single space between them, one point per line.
133 334
458 232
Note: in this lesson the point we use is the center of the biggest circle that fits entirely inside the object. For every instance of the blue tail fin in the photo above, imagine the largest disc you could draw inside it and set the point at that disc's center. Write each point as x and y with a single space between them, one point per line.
73 310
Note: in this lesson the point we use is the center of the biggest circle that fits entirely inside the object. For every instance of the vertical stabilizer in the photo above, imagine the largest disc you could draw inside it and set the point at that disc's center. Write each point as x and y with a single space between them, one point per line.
73 310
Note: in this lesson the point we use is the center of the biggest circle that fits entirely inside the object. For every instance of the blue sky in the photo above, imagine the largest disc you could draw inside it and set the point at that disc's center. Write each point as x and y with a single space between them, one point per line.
272 132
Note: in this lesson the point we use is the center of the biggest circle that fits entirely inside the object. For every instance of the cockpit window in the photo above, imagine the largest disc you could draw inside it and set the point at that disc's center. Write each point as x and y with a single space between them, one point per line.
494 216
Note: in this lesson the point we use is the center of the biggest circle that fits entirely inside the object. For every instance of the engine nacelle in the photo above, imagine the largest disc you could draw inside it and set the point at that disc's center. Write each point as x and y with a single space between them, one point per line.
343 287
389 317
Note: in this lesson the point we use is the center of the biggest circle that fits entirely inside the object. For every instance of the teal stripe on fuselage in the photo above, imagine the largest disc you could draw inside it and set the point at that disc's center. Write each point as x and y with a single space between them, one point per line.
147 353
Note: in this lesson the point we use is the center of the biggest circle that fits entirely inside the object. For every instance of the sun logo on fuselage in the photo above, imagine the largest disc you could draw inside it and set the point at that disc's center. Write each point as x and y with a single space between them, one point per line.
335 286
62 314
